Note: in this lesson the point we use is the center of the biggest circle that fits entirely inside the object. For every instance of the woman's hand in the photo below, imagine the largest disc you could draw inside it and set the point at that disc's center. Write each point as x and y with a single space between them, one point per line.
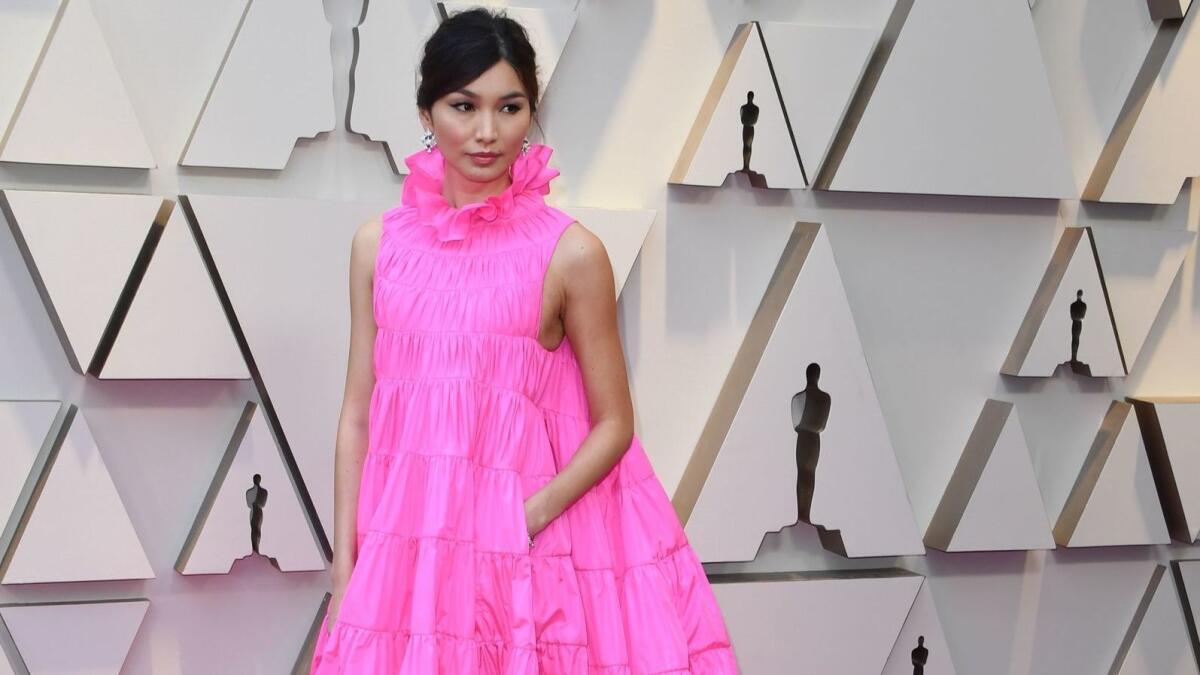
341 578
539 511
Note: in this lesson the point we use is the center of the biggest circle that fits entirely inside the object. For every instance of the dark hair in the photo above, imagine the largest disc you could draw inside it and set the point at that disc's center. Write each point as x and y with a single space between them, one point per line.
468 43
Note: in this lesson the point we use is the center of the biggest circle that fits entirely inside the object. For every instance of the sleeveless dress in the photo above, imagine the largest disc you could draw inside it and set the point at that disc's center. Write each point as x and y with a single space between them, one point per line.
469 416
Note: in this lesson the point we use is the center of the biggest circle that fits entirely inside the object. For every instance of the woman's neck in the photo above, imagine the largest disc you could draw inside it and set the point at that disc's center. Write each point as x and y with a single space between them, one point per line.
460 191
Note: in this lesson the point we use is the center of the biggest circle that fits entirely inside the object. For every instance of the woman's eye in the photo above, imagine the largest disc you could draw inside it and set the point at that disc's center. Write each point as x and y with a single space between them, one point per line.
466 106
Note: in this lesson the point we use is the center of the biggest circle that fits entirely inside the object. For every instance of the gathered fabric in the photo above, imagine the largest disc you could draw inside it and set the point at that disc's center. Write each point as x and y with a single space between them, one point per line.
469 416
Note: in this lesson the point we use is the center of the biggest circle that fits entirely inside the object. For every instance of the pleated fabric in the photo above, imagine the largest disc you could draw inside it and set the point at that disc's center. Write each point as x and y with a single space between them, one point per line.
470 416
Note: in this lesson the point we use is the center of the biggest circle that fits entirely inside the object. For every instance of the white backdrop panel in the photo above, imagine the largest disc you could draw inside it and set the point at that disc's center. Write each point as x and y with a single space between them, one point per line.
835 623
274 86
81 638
76 110
936 125
751 488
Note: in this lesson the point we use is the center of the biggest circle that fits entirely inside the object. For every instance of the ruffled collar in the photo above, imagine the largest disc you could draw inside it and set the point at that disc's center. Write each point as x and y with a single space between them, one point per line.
423 189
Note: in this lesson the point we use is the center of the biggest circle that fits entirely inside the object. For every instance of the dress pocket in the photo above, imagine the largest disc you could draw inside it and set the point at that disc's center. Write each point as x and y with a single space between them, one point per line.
524 528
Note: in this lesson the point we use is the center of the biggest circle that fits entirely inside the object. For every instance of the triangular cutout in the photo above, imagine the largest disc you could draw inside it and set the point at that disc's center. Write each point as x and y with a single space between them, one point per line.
299 386
992 502
81 265
932 125
921 641
24 438
1170 427
1154 145
1186 575
275 85
76 110
772 622
800 366
99 634
741 110
388 41
175 327
1114 501
1073 286
251 501
818 69
1157 641
1140 265
23 36
74 527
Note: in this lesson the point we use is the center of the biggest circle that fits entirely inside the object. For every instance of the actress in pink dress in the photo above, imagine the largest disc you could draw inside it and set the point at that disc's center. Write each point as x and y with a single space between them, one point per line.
470 416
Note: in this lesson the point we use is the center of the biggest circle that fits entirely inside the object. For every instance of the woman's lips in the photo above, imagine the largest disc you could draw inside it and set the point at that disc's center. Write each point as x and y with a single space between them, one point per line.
484 159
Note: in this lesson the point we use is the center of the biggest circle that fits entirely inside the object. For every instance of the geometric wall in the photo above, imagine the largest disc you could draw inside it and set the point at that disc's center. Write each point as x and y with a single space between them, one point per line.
299 371
69 522
1125 272
173 328
1157 638
73 107
250 509
25 439
274 85
1139 267
126 286
825 66
798 406
937 141
82 265
1114 501
771 618
732 123
872 621
387 53
922 640
1170 427
100 634
798 107
1058 331
1153 146
933 125
1186 575
992 502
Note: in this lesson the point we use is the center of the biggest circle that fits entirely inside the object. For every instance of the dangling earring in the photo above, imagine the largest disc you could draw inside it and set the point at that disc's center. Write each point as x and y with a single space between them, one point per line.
428 141
525 146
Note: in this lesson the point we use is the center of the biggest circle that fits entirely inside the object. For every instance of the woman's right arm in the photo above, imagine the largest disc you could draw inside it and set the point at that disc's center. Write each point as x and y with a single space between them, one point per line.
352 430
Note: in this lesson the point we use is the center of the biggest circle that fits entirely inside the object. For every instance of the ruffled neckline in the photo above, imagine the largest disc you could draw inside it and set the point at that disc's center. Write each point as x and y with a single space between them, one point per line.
531 176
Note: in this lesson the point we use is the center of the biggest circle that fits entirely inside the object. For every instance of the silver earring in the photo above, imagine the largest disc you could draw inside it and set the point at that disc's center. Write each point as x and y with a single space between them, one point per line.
428 141
525 146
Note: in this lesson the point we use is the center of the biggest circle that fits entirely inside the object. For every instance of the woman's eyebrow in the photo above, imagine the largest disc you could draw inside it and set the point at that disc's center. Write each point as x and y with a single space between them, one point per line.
512 94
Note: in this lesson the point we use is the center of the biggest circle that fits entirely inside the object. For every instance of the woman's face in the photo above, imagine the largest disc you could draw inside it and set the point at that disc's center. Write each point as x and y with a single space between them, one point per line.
489 115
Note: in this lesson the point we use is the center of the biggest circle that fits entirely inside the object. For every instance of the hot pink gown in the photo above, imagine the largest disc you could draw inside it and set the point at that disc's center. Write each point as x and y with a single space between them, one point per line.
469 416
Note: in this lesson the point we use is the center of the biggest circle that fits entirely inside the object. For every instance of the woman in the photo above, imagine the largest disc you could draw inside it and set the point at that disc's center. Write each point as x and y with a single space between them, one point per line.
504 517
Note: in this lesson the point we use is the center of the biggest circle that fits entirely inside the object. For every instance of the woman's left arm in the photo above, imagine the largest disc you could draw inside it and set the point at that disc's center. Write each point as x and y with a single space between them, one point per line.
589 318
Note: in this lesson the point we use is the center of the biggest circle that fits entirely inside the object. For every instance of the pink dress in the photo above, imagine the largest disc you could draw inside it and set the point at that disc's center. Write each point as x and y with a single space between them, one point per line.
469 416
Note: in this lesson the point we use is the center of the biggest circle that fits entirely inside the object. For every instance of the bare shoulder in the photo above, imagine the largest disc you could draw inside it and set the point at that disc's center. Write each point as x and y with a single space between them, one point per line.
582 253
369 232
365 245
